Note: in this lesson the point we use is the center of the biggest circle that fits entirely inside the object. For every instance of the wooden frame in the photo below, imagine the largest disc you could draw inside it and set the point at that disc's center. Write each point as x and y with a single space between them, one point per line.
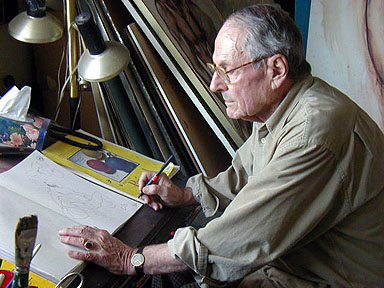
145 14
187 120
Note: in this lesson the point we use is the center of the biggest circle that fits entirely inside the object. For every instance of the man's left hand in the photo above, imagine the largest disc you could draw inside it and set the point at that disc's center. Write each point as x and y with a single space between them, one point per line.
100 247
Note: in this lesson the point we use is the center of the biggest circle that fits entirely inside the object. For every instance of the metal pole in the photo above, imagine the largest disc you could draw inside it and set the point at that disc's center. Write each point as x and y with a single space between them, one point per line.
72 62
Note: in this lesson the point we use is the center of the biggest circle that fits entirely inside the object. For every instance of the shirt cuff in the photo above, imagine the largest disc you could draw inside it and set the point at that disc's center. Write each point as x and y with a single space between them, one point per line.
186 247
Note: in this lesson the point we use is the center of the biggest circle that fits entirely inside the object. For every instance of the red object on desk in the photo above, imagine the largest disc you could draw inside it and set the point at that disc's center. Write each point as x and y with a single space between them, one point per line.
8 278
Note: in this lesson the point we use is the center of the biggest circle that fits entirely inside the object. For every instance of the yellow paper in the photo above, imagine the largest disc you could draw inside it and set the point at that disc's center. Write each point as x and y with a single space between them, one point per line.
34 279
113 165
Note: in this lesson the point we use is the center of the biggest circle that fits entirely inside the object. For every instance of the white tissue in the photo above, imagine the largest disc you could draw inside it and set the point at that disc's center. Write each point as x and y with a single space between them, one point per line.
15 104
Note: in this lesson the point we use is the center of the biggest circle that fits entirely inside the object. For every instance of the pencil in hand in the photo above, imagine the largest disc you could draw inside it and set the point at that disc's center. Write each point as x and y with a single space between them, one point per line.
154 178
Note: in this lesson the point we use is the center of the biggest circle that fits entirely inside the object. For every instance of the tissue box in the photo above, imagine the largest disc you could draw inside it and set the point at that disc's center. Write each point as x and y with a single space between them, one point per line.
22 137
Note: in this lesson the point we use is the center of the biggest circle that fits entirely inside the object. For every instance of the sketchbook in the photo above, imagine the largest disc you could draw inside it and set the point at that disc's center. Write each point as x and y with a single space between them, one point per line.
60 199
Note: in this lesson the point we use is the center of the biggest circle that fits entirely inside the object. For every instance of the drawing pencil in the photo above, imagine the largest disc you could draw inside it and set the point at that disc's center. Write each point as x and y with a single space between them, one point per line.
154 178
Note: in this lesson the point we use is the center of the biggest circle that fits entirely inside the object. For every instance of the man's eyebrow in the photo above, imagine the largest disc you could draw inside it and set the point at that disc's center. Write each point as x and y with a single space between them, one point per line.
222 63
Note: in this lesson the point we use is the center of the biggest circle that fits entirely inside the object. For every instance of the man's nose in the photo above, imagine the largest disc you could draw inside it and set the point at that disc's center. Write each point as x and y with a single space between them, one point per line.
217 84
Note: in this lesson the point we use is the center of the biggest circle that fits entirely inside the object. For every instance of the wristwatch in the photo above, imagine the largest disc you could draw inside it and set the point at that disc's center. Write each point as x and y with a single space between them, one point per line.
137 261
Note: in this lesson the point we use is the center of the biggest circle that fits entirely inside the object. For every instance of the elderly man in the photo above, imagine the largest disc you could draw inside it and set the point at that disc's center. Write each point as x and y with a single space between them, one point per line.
302 201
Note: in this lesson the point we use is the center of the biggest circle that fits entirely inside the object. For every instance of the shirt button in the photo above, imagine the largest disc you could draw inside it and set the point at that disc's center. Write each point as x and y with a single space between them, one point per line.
262 140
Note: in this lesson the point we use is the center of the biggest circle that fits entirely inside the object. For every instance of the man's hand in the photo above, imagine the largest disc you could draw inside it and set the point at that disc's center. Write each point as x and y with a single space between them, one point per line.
164 192
99 247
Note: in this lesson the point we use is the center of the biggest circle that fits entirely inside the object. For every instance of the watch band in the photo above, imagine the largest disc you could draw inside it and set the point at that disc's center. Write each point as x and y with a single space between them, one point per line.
138 268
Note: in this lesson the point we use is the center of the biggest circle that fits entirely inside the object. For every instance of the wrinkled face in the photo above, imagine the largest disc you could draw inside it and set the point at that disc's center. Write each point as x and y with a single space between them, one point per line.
248 95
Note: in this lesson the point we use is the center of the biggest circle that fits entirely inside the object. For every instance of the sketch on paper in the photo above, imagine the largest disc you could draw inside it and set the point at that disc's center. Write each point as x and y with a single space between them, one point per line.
52 186
39 186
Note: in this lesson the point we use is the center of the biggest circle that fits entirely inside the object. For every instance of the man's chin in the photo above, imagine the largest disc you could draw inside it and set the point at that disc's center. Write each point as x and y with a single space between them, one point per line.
232 115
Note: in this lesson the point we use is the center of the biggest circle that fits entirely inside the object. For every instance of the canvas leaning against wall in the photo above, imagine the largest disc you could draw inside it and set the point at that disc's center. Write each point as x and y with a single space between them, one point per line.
345 48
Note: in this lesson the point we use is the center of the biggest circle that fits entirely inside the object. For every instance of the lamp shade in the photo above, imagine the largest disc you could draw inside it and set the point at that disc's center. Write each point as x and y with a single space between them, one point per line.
102 60
35 25
104 66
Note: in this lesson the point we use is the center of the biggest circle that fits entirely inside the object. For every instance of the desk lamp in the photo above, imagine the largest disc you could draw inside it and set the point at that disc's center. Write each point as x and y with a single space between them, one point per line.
35 25
101 60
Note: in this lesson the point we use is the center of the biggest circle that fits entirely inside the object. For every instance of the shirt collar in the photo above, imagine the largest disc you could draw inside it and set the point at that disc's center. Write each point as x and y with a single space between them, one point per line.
278 118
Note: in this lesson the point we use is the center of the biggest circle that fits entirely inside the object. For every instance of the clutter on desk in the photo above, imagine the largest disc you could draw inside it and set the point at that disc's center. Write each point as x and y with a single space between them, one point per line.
14 104
22 132
60 198
19 275
25 238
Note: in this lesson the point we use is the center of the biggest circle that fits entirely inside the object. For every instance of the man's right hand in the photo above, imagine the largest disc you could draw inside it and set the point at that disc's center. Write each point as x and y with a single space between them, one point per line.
164 192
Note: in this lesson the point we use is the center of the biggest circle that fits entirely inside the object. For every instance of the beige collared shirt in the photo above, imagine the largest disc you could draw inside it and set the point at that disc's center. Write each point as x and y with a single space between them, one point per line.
304 193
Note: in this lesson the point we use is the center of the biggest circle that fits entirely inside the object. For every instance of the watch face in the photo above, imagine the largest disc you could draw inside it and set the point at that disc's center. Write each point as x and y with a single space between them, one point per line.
137 260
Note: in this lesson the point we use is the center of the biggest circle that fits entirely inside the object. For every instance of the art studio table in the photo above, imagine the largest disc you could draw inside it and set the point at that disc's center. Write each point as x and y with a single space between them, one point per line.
144 228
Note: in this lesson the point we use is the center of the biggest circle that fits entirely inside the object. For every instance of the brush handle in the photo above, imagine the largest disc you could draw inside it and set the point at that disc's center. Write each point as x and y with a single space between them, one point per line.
20 280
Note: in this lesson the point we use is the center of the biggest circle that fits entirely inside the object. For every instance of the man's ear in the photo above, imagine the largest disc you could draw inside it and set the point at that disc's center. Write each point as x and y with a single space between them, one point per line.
278 68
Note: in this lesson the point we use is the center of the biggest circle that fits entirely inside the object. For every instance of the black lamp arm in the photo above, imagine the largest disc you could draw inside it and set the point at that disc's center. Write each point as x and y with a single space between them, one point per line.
90 33
83 6
36 8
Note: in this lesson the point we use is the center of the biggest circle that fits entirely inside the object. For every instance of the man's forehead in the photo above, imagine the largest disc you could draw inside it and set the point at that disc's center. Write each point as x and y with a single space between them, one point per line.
227 42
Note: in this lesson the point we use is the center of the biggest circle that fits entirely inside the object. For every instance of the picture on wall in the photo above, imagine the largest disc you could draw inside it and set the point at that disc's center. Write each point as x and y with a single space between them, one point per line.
348 51
183 33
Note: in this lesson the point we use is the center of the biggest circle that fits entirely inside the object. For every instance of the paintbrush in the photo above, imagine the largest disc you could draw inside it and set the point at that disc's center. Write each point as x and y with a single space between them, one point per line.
25 238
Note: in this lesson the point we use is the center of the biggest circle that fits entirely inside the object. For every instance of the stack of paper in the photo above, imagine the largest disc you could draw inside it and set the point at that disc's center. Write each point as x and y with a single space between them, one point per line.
60 199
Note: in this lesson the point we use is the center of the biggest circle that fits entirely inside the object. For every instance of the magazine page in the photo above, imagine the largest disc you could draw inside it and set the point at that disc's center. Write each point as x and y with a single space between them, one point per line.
113 165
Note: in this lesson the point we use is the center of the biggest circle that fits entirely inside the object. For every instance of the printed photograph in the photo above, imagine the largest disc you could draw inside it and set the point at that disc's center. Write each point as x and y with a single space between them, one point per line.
105 163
